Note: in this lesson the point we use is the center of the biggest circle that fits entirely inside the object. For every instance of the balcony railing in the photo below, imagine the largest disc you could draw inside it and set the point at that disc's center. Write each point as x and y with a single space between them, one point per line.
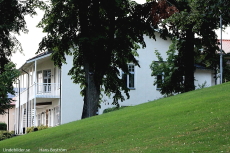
48 90
40 90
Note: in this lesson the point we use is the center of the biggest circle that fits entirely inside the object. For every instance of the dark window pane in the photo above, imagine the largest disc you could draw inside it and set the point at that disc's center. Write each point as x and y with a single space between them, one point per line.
159 81
131 80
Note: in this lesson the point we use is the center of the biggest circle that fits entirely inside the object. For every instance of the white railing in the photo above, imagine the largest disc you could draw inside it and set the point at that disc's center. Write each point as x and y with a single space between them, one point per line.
48 90
40 90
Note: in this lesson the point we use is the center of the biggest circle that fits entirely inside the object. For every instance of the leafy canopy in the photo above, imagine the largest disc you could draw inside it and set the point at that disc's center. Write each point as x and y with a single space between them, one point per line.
102 36
193 29
12 21
6 83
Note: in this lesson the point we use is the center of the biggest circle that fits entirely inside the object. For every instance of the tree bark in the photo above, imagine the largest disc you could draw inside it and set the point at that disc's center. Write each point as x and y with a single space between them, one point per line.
92 94
189 61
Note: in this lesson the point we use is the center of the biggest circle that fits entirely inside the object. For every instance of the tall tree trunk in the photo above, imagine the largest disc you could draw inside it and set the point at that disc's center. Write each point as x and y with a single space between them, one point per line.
92 81
92 93
189 61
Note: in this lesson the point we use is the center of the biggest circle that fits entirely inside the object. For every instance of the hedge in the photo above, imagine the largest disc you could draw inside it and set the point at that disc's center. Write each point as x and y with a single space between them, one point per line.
3 126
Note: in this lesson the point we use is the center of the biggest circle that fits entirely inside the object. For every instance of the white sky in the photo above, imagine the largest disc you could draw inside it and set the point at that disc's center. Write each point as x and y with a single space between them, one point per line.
31 40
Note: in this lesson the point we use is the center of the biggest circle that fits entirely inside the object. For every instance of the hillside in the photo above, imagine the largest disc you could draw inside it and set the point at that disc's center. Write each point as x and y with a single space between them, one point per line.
198 121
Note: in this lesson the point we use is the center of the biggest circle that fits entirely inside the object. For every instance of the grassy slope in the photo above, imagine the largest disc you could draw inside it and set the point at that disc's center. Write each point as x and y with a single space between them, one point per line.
197 121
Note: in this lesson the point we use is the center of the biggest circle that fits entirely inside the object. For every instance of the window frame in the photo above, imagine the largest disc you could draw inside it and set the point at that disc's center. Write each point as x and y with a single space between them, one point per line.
158 86
126 77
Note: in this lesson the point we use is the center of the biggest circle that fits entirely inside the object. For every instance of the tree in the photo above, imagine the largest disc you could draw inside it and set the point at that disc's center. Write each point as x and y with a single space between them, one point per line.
102 36
6 83
12 20
193 27
168 71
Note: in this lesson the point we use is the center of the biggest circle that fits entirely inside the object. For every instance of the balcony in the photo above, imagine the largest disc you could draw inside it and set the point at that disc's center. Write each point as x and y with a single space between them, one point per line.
47 90
40 90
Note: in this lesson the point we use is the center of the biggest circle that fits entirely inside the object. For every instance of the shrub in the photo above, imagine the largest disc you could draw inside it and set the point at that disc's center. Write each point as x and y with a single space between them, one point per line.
42 127
204 85
34 128
30 129
6 135
3 126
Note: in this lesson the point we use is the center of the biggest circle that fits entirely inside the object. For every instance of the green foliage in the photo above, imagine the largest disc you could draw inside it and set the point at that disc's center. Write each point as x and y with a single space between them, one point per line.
39 128
200 19
196 121
6 135
3 126
226 70
6 83
12 21
102 36
42 127
203 85
170 70
30 129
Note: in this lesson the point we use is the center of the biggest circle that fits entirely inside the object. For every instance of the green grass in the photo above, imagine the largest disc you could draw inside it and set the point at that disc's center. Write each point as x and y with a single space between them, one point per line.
198 121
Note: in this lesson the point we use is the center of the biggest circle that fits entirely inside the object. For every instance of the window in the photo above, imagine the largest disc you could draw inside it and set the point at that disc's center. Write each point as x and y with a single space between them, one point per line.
160 80
44 81
129 79
39 76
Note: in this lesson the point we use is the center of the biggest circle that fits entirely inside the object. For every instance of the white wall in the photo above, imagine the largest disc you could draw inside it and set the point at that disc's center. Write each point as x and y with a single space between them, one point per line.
202 75
71 100
144 89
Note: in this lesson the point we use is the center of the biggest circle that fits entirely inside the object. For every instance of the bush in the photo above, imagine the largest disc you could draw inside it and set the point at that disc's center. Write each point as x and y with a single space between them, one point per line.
42 127
34 128
30 129
6 135
3 126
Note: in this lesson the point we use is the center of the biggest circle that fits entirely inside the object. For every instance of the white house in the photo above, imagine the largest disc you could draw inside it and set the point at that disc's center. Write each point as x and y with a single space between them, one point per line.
50 98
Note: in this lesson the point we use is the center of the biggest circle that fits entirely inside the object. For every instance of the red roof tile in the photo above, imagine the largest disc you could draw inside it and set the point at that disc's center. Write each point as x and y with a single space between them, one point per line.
225 45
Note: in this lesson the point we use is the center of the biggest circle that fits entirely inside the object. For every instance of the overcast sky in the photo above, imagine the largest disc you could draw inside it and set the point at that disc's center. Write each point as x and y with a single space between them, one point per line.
31 40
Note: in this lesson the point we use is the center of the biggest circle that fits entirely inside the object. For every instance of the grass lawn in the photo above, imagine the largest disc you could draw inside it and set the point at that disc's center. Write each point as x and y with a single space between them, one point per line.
197 121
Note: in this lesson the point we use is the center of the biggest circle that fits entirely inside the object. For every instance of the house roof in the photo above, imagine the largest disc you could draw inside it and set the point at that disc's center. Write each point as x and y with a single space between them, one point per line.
37 57
225 45
12 96
202 67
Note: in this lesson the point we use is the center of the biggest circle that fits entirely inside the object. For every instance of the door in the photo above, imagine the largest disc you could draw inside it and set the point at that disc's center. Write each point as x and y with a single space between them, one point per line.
39 86
47 80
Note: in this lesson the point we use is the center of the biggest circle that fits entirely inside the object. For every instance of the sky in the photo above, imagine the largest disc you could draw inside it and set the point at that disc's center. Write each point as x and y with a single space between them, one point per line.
31 40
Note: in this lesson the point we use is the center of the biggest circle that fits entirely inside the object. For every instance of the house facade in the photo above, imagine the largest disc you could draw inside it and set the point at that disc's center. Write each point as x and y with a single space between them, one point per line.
51 98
